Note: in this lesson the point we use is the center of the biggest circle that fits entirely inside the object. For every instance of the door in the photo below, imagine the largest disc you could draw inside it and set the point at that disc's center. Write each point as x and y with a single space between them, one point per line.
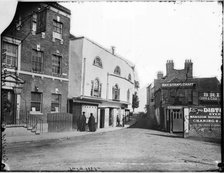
8 106
110 117
178 122
102 116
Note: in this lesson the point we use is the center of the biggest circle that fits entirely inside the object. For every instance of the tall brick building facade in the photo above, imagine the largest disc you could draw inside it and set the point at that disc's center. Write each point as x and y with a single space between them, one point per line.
36 51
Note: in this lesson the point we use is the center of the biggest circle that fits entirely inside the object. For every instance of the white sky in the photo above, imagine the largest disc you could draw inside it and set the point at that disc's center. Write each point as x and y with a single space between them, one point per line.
150 33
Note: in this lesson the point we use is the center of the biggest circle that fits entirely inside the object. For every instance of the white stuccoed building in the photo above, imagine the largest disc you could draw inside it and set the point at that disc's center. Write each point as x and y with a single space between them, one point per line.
100 82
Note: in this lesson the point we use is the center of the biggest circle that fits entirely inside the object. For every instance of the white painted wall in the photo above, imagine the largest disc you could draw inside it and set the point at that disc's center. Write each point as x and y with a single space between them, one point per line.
109 61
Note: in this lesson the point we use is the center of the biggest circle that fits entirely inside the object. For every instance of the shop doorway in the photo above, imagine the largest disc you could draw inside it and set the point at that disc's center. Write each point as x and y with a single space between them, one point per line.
110 116
8 106
102 117
178 122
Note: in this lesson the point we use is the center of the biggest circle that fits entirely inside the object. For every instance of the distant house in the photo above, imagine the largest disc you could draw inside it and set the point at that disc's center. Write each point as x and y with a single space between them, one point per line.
101 83
178 90
35 50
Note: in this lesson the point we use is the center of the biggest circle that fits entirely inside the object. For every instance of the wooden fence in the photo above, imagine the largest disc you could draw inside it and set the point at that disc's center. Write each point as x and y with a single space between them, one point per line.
59 122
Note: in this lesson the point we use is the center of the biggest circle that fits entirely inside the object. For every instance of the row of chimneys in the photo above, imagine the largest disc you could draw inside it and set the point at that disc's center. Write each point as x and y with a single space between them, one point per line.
188 67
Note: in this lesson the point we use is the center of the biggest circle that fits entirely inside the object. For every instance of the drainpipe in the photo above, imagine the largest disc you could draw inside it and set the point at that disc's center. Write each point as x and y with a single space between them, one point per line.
83 76
107 86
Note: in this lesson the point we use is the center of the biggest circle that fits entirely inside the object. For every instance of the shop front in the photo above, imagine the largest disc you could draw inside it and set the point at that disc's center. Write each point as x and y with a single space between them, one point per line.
174 119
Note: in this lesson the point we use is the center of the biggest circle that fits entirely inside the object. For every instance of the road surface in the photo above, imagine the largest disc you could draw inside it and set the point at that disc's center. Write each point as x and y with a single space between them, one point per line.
132 149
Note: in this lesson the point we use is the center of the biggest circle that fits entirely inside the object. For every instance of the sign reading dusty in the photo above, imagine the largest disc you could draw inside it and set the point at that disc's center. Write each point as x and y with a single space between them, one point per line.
205 115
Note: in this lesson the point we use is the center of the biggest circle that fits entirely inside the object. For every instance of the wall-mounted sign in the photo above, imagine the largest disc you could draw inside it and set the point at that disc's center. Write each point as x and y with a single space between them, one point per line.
182 84
205 115
212 96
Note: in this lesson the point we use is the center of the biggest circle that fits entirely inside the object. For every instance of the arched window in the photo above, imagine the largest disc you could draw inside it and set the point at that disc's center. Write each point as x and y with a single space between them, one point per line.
117 71
128 95
129 77
116 92
97 62
96 88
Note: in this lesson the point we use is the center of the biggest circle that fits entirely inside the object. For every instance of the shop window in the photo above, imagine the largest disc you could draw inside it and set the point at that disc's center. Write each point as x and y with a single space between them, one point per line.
117 71
55 102
56 64
36 102
97 62
37 61
116 92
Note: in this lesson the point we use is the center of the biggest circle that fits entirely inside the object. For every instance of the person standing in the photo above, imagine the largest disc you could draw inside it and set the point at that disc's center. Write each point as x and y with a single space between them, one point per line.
83 122
91 123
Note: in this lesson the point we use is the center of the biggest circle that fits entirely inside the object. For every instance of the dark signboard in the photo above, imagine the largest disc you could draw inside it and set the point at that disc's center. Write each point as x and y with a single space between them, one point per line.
179 84
212 96
205 115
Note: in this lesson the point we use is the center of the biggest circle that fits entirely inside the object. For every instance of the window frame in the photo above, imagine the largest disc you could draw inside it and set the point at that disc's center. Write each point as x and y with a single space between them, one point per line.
116 92
96 92
41 62
54 65
53 102
40 102
9 55
129 77
34 23
98 62
128 95
117 71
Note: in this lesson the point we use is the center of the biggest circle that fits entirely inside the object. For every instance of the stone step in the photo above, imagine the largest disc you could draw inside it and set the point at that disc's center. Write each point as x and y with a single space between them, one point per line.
17 131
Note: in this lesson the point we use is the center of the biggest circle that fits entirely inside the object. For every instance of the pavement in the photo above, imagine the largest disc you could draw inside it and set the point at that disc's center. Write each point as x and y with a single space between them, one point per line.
61 135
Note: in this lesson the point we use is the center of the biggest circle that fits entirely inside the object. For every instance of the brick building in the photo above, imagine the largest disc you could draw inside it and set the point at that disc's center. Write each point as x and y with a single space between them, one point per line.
36 55
178 90
100 82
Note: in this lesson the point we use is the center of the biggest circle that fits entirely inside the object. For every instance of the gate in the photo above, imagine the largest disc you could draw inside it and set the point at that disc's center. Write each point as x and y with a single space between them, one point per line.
175 119
178 122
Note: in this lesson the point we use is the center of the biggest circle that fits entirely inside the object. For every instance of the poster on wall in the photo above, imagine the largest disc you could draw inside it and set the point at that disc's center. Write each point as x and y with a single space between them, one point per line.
90 109
205 115
209 98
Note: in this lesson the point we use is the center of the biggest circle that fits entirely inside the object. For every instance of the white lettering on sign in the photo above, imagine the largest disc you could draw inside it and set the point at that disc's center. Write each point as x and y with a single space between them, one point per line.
176 84
212 109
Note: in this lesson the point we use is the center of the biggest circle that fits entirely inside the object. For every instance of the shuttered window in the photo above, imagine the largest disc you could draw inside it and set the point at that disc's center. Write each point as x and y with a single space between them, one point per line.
41 21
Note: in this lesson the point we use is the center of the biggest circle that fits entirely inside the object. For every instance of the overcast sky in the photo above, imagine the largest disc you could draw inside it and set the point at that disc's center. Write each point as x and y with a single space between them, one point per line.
150 33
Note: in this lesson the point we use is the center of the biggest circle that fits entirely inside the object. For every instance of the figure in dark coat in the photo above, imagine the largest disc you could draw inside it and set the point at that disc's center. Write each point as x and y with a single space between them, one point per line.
81 122
91 123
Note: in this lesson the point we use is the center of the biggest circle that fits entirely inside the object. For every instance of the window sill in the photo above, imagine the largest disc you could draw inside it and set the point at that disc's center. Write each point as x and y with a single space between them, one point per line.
36 113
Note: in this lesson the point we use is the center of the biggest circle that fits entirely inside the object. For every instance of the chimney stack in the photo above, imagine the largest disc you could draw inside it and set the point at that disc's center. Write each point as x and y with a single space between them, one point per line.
169 67
159 75
113 49
188 66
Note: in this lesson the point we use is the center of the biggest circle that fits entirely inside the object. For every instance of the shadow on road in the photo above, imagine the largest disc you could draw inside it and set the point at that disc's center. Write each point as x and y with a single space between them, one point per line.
167 135
144 122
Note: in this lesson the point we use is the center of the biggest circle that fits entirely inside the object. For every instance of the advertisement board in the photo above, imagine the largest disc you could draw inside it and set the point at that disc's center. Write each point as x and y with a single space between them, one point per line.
212 96
174 85
205 115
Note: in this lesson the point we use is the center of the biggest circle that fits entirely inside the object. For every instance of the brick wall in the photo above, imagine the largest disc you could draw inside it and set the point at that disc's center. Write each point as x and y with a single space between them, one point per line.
45 80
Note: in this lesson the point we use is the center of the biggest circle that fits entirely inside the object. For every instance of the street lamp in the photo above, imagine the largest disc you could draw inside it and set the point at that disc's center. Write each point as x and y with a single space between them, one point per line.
17 89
